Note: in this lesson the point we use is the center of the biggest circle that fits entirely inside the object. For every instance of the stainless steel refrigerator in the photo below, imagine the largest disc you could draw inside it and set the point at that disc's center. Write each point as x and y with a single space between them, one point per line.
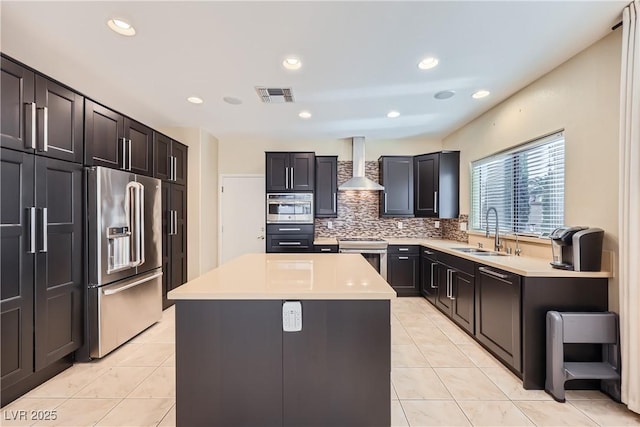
125 256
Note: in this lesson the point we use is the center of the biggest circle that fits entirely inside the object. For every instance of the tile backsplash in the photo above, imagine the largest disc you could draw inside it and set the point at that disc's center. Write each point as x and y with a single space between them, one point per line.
358 215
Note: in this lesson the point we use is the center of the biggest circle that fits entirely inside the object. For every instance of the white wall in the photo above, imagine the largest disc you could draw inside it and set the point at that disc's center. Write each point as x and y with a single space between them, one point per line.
582 97
238 156
202 203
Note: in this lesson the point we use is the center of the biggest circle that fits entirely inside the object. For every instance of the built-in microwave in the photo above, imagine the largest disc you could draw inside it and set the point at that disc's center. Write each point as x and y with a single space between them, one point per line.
285 208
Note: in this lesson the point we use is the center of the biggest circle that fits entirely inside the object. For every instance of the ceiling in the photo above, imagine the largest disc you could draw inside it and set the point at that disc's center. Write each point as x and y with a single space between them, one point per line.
359 59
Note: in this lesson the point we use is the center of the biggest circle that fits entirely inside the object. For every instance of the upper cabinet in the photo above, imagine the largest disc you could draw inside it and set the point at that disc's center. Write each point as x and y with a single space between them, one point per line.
39 115
169 159
396 174
326 195
437 184
115 141
288 172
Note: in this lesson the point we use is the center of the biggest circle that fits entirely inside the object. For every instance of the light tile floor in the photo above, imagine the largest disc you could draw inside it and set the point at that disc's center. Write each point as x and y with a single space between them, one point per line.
440 377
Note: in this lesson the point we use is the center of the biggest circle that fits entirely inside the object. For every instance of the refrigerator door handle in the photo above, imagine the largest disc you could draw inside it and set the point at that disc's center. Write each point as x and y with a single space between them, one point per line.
136 222
132 284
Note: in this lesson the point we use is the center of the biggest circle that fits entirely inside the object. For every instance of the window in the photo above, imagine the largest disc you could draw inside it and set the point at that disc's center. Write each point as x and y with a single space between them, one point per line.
525 185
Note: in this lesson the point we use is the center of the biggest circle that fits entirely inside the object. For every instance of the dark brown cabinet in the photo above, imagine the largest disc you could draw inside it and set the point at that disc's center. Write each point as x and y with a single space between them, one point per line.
329 249
437 184
169 159
403 269
290 172
174 238
42 245
117 142
40 115
429 274
396 175
326 192
498 313
456 290
235 365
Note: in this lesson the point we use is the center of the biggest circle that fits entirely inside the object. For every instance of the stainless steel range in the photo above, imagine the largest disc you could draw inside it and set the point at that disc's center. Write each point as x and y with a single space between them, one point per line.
373 249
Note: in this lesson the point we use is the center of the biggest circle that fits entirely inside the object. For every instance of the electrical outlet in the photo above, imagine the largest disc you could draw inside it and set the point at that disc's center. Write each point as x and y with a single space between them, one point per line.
329 224
399 225
463 226
436 224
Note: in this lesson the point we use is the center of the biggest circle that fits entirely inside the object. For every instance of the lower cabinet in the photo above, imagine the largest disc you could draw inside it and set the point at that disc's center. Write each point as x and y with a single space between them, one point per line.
403 269
456 290
174 239
429 274
498 313
325 248
42 279
292 238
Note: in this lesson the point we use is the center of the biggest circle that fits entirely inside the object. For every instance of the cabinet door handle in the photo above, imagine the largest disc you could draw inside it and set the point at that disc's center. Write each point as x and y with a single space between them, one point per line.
170 160
45 128
403 257
385 202
45 230
453 298
289 243
435 202
129 154
403 249
124 153
335 202
428 252
286 177
175 223
433 265
493 273
32 230
325 249
449 283
34 128
292 184
175 168
289 229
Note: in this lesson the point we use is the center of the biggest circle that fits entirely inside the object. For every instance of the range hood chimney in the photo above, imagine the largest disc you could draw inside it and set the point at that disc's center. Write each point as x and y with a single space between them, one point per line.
359 182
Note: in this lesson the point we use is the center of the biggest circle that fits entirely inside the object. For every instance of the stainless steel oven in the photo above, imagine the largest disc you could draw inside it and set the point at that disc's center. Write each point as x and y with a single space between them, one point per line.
283 208
372 249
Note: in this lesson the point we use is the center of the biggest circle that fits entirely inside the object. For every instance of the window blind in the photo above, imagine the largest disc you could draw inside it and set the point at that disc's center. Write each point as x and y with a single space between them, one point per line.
524 184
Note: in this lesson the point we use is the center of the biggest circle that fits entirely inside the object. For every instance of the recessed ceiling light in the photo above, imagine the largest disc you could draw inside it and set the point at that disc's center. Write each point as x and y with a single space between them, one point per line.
304 114
480 94
444 94
195 100
291 63
428 63
393 114
231 100
121 27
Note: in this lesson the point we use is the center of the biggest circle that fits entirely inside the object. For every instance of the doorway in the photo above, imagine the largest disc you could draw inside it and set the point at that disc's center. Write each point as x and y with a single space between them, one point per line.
242 216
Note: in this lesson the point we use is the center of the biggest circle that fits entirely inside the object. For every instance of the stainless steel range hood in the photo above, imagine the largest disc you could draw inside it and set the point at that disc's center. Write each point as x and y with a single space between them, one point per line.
359 181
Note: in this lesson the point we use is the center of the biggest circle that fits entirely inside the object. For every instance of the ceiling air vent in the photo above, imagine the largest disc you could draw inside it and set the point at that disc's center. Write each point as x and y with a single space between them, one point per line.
275 95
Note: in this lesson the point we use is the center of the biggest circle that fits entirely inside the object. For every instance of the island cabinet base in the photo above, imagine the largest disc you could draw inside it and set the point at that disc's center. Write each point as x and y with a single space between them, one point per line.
236 367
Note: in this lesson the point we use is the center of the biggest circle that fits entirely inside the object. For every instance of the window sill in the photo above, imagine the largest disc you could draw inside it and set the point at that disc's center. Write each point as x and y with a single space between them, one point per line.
521 238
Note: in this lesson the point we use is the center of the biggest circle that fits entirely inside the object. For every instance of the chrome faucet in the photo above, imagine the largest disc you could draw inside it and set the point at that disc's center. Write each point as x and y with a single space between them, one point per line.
496 245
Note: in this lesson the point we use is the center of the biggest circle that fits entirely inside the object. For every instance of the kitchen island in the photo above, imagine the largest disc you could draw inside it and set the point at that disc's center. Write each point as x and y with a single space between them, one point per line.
236 366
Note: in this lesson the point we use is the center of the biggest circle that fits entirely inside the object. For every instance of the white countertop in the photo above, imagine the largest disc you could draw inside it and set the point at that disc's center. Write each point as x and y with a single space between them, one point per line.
522 265
289 276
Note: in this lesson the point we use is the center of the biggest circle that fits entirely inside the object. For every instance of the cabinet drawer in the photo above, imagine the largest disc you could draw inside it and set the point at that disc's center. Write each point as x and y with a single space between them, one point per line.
289 228
290 243
326 248
403 249
458 263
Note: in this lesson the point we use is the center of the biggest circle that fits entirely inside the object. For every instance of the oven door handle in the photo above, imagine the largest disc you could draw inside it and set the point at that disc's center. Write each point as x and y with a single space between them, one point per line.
363 251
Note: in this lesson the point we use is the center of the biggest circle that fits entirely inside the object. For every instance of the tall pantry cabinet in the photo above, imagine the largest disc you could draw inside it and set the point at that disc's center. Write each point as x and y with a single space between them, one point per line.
41 237
170 165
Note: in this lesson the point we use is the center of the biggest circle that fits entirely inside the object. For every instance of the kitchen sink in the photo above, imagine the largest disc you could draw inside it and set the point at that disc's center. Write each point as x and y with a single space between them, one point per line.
480 252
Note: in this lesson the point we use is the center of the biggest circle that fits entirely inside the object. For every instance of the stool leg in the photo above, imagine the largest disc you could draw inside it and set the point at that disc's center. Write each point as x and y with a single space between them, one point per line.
554 384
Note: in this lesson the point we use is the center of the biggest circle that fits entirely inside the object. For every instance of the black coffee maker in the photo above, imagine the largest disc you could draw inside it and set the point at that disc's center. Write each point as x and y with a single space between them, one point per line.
577 248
